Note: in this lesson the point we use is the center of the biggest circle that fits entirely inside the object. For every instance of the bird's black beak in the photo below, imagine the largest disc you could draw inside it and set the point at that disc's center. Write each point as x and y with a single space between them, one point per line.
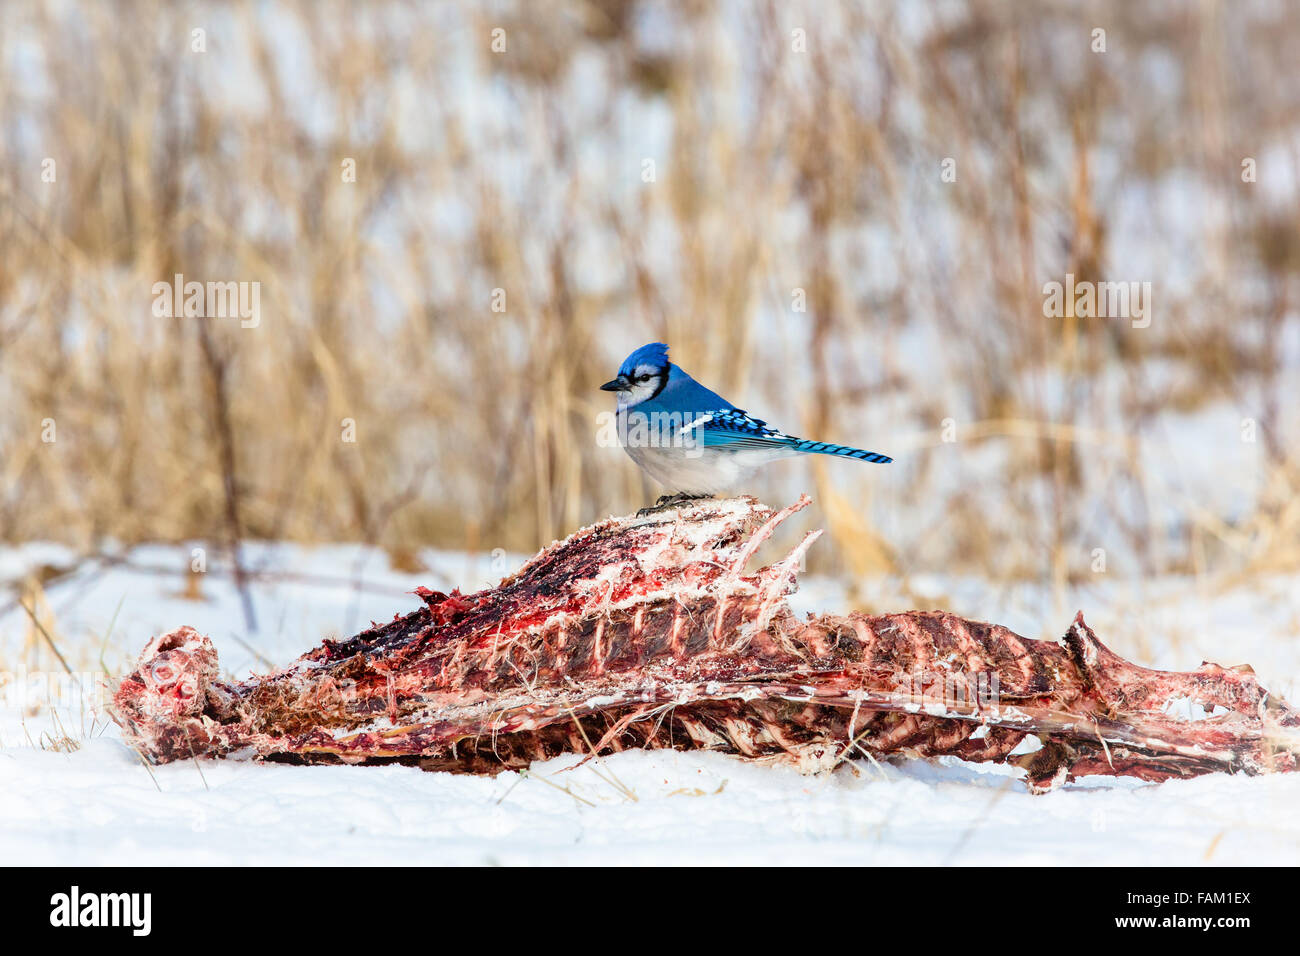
617 385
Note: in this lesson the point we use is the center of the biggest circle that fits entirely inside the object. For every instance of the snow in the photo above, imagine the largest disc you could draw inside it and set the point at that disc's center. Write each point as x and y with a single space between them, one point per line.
1185 708
92 801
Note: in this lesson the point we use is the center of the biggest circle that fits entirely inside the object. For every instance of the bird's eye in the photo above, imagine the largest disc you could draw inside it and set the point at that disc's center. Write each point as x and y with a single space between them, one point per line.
643 378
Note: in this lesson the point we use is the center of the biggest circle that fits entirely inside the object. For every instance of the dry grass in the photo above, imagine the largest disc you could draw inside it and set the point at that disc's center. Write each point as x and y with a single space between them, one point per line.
776 171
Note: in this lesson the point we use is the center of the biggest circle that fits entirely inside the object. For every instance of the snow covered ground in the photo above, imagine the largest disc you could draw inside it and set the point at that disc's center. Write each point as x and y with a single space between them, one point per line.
72 793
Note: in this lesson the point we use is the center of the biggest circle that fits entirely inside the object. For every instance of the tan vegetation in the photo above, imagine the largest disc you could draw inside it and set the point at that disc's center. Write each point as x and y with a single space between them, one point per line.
778 171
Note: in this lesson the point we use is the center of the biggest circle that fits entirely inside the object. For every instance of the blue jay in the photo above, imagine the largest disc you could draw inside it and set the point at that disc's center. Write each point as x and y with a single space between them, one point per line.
691 440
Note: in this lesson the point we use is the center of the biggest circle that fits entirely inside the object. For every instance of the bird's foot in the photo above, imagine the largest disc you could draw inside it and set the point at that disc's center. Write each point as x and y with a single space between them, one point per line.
667 502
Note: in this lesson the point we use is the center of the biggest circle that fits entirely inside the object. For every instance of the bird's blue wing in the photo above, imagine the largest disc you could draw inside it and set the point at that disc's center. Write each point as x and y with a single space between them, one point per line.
735 428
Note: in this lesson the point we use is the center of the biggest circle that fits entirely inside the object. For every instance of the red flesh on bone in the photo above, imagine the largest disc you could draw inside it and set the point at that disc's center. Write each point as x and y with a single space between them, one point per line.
647 632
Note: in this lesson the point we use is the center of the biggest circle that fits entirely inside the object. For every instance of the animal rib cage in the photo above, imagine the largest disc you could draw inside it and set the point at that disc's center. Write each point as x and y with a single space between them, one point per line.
648 632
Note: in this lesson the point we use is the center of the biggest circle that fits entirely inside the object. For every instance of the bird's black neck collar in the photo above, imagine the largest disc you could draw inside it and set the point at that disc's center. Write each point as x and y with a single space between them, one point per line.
663 382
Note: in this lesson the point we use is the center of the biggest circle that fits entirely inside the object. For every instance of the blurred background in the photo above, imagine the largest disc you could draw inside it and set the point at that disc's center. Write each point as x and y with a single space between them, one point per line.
840 215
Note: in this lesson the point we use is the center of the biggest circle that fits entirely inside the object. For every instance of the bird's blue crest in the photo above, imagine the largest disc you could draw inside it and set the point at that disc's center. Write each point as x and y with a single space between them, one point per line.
656 354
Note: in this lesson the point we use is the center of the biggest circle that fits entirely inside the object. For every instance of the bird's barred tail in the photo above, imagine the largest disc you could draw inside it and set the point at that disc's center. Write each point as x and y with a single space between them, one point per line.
840 451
